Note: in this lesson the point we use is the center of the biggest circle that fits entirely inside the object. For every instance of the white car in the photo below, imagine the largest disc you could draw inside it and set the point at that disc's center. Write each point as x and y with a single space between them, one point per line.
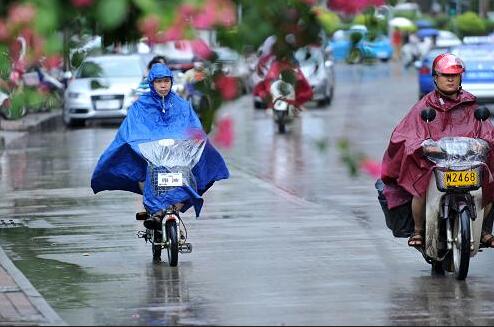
318 69
103 87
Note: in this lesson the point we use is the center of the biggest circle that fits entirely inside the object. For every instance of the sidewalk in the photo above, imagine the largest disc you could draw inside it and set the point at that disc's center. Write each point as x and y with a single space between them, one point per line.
20 302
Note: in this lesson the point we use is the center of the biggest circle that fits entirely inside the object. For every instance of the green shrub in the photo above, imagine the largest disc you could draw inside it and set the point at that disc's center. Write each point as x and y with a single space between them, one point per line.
470 23
329 21
489 26
441 21
407 14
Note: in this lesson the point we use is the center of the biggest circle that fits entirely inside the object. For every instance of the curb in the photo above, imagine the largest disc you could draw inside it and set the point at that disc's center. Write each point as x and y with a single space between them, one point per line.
52 318
9 131
33 122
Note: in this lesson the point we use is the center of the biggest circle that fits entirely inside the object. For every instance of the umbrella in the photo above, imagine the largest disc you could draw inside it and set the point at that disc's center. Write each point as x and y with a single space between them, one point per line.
401 22
425 32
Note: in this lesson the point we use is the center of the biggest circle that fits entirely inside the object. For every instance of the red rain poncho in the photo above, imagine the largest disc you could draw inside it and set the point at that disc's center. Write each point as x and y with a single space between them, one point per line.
405 170
303 90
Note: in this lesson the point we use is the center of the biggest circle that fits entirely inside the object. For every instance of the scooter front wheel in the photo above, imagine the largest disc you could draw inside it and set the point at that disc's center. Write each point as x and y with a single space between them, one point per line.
172 242
461 245
281 127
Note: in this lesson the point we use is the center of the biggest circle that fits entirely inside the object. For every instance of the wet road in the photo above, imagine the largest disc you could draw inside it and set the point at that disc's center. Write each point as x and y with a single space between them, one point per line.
291 238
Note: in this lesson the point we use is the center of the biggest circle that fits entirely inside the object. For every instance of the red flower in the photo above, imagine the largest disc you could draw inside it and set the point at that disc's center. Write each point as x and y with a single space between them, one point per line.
196 134
352 7
149 25
175 32
53 61
201 49
22 14
227 86
81 3
4 32
224 133
371 167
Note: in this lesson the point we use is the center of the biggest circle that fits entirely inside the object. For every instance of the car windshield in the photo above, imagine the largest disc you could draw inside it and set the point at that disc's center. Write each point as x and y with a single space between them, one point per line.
110 67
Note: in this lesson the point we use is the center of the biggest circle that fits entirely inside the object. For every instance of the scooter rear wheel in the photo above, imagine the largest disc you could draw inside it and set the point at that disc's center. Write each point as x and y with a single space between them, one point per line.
281 127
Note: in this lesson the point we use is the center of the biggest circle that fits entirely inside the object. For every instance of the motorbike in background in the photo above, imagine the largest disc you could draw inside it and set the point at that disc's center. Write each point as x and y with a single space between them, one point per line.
51 89
34 91
283 97
454 213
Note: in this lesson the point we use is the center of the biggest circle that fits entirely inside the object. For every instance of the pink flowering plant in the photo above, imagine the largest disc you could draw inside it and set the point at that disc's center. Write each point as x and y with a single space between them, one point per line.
48 29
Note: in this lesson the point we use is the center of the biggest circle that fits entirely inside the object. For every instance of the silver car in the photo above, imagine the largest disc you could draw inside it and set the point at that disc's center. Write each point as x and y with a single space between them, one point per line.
318 69
103 87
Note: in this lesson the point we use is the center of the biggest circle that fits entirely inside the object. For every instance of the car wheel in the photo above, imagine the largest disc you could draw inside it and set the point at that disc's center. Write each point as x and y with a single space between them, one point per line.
70 122
259 105
330 96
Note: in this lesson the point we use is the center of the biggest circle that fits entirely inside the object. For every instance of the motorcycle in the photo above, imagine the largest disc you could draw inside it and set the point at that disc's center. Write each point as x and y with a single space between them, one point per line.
199 100
170 164
454 214
52 89
282 95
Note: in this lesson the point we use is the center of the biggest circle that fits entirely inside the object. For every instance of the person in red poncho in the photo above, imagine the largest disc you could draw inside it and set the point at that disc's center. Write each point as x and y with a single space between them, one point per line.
303 90
406 172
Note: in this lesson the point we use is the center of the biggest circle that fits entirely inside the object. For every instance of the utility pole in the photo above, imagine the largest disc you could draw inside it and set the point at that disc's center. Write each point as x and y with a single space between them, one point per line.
483 8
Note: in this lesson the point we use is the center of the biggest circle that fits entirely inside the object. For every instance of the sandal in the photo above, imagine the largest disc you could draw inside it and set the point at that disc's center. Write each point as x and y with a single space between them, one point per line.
416 240
486 240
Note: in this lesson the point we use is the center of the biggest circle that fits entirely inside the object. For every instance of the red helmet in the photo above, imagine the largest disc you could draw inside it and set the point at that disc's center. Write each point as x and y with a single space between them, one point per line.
447 63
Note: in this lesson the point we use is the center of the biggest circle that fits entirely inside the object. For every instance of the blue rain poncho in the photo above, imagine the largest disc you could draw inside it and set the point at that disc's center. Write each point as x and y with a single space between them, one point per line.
159 138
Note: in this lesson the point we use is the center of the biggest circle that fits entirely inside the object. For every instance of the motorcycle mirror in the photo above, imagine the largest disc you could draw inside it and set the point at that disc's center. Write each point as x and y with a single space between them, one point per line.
482 113
428 115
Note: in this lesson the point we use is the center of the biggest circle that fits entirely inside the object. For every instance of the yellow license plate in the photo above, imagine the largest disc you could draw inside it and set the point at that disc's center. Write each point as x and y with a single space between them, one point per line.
460 178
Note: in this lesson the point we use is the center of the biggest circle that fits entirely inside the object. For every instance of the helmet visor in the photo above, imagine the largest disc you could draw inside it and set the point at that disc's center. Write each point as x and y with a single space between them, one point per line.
450 64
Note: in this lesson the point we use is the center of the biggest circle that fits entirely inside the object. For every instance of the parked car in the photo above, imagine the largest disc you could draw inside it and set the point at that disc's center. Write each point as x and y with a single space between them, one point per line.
318 69
478 78
233 64
103 87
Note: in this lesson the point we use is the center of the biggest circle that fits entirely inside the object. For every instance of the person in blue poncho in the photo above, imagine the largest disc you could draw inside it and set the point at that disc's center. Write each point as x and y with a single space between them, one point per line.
156 117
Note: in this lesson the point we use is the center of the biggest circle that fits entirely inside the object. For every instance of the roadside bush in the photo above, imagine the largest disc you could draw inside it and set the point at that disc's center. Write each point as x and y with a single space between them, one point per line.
330 21
412 15
442 21
470 23
489 26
